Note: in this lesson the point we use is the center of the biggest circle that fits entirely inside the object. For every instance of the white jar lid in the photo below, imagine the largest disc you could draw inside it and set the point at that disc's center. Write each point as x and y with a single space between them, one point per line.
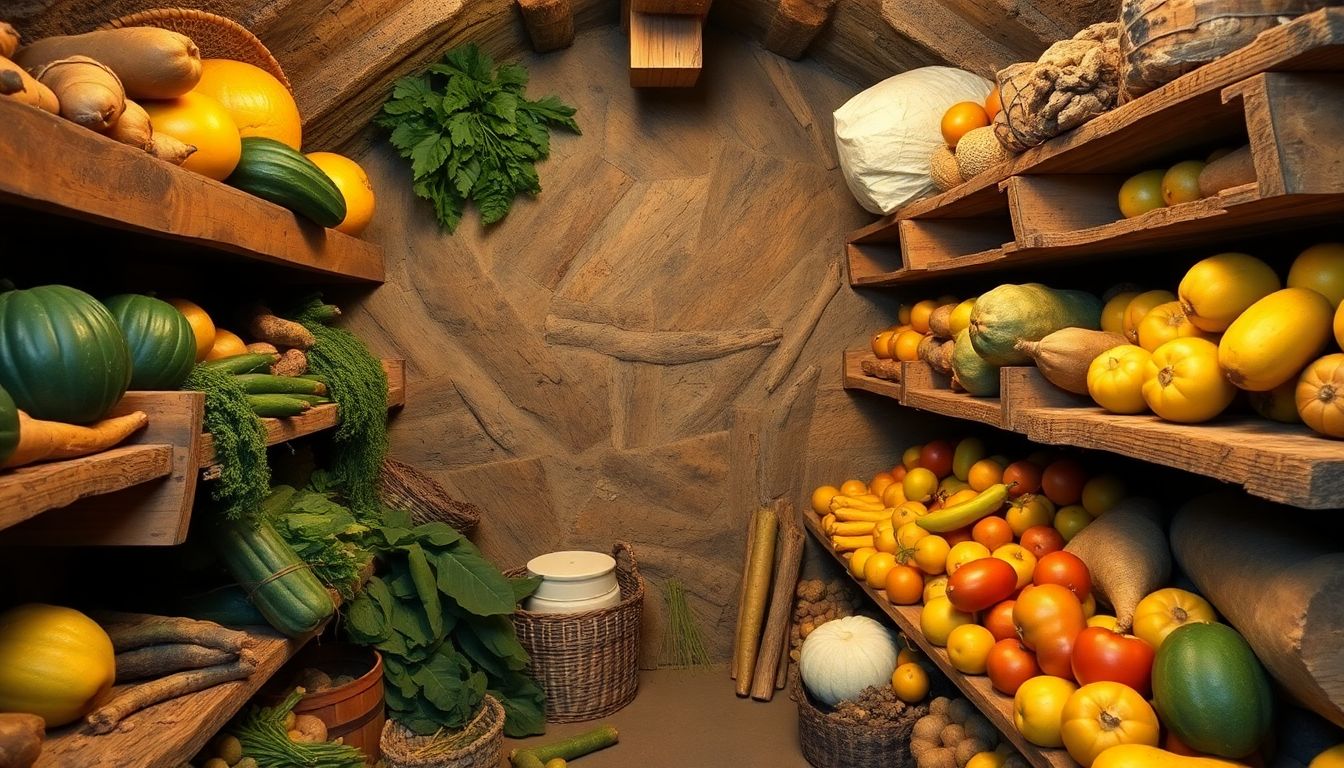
573 575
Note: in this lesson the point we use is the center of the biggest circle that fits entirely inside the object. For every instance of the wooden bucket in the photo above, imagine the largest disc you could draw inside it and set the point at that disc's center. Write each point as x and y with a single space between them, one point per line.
354 711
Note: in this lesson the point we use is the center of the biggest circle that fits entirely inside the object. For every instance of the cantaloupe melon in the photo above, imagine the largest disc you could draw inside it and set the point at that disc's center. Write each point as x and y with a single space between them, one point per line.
943 169
978 151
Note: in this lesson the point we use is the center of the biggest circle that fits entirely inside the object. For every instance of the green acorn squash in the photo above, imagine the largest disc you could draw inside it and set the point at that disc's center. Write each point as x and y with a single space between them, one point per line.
9 426
161 342
1012 313
62 356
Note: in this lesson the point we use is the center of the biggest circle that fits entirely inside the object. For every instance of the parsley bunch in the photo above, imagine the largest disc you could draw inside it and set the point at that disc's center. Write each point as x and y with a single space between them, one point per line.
471 134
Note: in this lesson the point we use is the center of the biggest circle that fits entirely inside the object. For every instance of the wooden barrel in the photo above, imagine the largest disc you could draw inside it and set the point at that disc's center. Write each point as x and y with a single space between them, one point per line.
354 711
1160 40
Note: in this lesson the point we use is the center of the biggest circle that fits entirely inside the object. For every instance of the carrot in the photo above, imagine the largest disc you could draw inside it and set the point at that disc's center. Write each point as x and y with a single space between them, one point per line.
152 63
19 85
89 92
52 440
756 595
133 128
1126 551
9 39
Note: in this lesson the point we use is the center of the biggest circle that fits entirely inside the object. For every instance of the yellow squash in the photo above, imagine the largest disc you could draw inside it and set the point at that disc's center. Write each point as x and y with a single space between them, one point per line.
1278 404
1160 613
1113 313
1274 339
1166 322
1184 383
1339 326
55 662
1115 379
1320 395
1103 715
1143 756
1139 307
202 122
1218 289
1320 268
259 104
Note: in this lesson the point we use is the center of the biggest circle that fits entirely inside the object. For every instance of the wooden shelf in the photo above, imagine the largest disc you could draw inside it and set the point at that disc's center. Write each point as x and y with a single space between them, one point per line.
28 491
855 378
995 706
666 50
55 166
1060 196
1285 463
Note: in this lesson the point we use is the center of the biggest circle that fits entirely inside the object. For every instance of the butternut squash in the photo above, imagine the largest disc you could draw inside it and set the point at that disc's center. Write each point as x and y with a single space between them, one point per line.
53 440
1064 356
1274 339
1010 313
17 84
1320 395
133 128
1218 289
1143 756
972 372
152 63
90 94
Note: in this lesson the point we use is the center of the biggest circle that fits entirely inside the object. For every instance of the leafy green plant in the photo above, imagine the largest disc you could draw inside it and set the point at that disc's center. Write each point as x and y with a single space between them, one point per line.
471 134
240 443
322 532
439 613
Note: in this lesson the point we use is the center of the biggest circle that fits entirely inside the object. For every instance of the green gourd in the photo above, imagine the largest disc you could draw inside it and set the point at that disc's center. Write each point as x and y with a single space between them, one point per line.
62 355
161 342
9 426
279 584
1211 690
1030 312
971 371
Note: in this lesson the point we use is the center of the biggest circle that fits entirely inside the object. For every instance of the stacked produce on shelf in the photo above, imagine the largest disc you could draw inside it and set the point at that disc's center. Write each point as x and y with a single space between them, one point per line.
955 735
816 603
1185 181
926 331
1013 562
275 736
970 146
227 120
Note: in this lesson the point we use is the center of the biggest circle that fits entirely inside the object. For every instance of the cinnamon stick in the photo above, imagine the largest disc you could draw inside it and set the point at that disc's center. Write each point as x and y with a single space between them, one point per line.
742 592
129 631
776 635
757 595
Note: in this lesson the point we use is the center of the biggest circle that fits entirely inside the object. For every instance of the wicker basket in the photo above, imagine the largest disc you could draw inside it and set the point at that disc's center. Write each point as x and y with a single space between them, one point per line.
828 743
402 486
588 663
403 749
216 36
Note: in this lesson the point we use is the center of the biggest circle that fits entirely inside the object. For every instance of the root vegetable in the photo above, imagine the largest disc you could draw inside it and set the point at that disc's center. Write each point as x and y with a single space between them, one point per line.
952 735
9 39
942 757
20 86
968 748
262 348
755 593
1231 170
310 729
930 726
152 63
228 748
53 440
129 631
264 326
20 738
1064 356
959 711
160 660
292 363
939 706
216 762
138 697
170 149
89 92
133 128
1126 551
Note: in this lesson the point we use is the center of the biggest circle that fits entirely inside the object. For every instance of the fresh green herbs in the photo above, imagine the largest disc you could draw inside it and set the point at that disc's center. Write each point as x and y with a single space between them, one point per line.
471 134
683 645
323 534
262 733
358 384
439 613
240 443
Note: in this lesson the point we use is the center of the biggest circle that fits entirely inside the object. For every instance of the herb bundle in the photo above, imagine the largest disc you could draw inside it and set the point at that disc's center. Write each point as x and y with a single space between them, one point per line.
439 613
471 134
261 730
240 443
323 534
683 645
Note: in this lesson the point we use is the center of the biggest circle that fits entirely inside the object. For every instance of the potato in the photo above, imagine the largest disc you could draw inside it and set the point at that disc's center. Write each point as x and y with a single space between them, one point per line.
930 726
228 748
952 735
958 710
312 728
942 757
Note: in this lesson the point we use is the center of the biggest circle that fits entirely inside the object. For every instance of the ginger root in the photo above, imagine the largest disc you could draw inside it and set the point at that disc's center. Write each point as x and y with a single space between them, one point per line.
1072 82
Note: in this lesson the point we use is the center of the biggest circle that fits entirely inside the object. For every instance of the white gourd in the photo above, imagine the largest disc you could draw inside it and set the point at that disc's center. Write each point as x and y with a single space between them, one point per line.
842 657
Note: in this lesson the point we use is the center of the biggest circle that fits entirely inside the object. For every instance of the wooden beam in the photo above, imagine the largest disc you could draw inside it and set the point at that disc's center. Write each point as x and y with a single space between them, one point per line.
795 24
550 23
680 7
666 51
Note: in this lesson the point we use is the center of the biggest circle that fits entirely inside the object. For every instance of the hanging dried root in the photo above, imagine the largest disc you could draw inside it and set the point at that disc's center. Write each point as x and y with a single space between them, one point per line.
160 660
129 631
138 697
264 326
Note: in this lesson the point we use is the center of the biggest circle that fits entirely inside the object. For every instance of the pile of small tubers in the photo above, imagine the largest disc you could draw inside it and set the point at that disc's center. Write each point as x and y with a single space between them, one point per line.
952 733
818 602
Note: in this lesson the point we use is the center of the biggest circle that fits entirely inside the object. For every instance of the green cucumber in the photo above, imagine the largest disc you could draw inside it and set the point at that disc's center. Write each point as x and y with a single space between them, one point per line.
278 583
238 365
569 749
313 399
277 173
276 406
266 384
1211 691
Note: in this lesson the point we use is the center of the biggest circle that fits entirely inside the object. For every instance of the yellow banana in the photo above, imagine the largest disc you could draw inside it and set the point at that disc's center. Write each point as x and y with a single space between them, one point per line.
854 528
985 503
863 515
847 543
849 502
828 524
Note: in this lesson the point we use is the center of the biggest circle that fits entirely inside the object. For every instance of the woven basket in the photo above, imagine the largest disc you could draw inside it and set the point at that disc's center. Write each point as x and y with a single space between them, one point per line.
403 749
830 744
402 486
216 36
587 663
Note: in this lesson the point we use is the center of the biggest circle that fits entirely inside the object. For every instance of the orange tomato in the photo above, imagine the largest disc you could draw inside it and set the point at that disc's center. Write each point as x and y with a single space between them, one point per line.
1063 482
898 472
1103 715
906 346
821 498
956 537
910 457
919 315
1029 511
919 484
911 683
964 553
993 103
880 343
1010 664
853 488
968 648
1038 708
931 554
1022 561
1102 493
935 587
960 119
1048 619
878 485
1320 395
1022 477
999 621
993 532
905 585
1183 381
984 473
939 618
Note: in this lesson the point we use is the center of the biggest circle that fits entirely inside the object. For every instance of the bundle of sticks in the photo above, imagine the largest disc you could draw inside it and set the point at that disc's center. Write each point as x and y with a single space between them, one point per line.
163 657
759 663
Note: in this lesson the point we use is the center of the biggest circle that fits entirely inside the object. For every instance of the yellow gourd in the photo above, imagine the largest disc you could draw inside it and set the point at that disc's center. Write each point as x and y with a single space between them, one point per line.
1164 323
203 123
55 662
1142 756
1115 379
1339 326
1278 404
1218 289
227 344
1320 395
1113 314
258 103
1320 268
1183 382
1139 307
1274 339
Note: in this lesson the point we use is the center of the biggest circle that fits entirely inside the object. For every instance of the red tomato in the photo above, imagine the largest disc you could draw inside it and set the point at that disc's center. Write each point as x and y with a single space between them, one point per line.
1041 540
898 472
1009 665
956 537
1065 569
936 456
981 583
1022 477
1102 655
999 621
1048 618
1063 482
993 532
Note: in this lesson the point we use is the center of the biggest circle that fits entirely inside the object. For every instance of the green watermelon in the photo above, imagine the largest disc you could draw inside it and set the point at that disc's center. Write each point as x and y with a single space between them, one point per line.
9 426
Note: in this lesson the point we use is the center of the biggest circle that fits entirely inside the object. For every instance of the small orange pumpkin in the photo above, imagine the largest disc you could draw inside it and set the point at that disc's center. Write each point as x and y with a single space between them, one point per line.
1320 395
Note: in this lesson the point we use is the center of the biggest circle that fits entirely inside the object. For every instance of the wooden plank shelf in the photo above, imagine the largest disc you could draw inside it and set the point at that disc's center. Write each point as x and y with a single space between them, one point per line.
1061 195
55 166
1286 463
856 378
994 705
28 491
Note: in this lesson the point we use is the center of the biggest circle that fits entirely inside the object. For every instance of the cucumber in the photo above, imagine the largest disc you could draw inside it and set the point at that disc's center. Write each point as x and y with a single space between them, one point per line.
276 406
313 399
266 384
238 365
1211 691
275 172
281 586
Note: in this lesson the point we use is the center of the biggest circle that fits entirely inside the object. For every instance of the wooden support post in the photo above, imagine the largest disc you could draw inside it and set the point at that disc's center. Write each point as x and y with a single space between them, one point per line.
666 51
680 7
795 24
550 23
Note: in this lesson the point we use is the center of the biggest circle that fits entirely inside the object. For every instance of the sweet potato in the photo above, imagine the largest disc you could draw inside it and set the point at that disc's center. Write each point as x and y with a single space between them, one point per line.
9 40
152 63
170 149
20 739
19 85
53 440
89 92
